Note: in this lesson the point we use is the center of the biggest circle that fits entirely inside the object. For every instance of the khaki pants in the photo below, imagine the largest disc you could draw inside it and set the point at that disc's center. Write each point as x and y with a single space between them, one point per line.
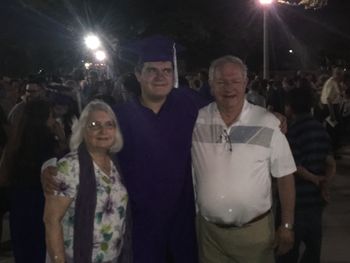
252 243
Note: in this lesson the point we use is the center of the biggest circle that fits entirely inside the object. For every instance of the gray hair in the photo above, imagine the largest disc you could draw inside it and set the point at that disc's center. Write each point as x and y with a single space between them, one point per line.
79 126
224 60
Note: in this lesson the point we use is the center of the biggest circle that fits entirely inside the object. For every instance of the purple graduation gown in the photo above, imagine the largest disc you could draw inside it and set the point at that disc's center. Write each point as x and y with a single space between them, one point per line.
156 164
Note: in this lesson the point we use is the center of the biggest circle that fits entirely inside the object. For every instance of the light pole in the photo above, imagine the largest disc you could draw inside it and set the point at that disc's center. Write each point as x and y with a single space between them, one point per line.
265 4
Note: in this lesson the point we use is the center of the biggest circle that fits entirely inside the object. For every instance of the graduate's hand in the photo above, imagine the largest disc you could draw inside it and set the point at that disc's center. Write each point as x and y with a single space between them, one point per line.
283 121
48 181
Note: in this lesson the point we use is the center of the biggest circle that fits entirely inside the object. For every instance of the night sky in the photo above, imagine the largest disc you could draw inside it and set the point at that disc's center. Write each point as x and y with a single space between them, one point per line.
207 28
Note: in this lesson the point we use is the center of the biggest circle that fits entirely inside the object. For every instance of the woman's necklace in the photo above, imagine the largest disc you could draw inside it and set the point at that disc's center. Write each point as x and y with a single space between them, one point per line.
104 164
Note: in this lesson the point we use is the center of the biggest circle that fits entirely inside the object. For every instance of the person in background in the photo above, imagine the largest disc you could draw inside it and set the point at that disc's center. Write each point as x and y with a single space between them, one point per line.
35 88
276 95
312 152
10 95
85 219
331 99
36 142
204 88
254 95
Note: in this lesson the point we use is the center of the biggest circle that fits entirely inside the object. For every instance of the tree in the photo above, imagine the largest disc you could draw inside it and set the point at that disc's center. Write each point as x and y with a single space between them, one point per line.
314 4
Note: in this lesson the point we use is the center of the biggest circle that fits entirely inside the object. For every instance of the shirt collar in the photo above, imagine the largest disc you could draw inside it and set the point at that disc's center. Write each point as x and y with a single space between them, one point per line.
241 117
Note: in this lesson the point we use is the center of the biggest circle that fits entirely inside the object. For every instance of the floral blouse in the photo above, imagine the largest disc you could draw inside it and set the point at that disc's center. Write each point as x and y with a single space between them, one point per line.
110 211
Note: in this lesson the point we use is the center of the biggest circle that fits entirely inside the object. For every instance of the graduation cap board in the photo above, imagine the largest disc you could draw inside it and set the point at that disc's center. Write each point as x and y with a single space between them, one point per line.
157 48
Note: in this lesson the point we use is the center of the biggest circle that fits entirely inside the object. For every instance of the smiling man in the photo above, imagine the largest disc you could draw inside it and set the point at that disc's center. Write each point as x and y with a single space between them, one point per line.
236 146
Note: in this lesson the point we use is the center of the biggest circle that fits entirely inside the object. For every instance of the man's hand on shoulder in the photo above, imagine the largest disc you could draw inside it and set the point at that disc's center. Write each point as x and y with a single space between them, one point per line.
283 121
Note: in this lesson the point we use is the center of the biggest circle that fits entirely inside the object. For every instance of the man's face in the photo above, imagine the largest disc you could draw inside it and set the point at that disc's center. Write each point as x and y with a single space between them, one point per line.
156 79
228 86
34 91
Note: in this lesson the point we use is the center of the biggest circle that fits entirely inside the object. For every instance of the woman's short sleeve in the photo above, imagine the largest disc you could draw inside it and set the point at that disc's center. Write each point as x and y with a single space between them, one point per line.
68 176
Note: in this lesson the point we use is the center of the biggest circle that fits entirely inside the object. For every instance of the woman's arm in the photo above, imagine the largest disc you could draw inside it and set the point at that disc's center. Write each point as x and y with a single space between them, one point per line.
55 209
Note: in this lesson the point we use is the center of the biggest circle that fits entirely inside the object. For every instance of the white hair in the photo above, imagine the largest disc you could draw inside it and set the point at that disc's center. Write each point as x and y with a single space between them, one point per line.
224 60
79 126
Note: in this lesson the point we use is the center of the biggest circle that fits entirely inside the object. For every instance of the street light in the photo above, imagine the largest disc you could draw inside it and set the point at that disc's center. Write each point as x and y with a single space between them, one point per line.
98 52
100 55
265 4
92 42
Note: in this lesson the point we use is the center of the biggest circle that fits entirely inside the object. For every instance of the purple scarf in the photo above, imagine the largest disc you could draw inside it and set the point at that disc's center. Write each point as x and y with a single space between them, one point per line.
85 206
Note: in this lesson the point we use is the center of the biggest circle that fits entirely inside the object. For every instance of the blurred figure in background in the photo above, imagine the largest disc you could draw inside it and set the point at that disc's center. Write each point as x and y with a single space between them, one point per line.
331 99
312 152
38 138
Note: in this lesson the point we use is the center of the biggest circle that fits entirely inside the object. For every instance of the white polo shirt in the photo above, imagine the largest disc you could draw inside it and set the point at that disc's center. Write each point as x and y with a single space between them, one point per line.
232 165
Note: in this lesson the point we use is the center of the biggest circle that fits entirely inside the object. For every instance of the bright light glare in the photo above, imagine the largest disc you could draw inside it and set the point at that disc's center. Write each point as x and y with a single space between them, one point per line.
266 2
92 42
100 55
290 51
87 65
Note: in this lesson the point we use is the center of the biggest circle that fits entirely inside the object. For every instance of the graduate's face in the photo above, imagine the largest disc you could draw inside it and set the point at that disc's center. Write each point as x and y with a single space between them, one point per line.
156 79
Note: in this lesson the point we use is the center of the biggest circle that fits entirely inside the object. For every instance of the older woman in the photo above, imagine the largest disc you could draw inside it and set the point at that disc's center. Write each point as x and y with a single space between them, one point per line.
86 218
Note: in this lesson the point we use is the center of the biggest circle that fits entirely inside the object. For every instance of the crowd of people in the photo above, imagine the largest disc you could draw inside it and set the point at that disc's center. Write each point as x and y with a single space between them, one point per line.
206 172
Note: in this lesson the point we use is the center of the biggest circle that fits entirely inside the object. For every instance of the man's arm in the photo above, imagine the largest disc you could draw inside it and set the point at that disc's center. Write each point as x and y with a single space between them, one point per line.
285 235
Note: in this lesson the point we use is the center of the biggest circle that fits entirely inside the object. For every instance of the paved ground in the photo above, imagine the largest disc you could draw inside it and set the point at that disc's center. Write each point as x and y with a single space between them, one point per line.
336 221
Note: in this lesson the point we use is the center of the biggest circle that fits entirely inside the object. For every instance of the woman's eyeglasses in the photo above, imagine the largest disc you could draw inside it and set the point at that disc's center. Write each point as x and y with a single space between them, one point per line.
97 126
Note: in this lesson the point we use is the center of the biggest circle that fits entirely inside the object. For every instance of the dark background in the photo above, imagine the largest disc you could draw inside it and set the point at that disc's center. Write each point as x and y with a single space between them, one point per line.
49 33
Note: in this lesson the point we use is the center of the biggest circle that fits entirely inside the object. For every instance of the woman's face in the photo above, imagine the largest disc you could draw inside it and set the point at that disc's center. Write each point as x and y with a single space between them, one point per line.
100 131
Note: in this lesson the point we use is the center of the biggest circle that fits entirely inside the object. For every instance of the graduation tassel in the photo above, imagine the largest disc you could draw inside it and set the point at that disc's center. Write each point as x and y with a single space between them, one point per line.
176 74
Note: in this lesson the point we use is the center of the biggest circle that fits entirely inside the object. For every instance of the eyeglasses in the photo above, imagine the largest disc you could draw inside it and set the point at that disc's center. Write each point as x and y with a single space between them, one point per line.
97 126
225 137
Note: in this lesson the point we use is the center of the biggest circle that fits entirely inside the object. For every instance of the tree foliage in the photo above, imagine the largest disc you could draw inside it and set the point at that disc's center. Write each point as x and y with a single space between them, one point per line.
314 4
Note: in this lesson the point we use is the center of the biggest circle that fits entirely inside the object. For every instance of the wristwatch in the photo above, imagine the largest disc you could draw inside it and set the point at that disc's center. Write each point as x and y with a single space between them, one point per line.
288 226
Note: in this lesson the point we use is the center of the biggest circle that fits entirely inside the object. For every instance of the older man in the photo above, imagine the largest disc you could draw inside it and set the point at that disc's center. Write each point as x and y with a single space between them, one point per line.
236 146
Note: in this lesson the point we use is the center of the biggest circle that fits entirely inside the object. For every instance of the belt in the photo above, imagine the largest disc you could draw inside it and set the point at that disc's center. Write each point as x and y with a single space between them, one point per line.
255 219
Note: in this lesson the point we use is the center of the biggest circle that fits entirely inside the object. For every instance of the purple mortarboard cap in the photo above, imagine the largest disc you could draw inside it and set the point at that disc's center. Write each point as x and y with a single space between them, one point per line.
156 48
151 49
